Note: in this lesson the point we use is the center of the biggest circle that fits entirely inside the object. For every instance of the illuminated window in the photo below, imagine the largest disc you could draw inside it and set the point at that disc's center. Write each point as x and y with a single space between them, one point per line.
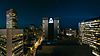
58 21
58 26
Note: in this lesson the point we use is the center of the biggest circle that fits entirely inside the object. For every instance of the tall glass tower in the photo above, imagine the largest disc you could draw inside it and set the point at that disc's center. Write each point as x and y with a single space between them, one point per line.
50 27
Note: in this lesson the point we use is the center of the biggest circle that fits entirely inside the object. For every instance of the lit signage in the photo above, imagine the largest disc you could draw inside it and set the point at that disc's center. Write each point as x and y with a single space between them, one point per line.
50 20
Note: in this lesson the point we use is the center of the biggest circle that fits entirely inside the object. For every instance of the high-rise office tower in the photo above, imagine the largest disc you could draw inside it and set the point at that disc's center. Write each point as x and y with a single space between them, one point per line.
90 34
56 26
12 37
45 25
11 18
50 27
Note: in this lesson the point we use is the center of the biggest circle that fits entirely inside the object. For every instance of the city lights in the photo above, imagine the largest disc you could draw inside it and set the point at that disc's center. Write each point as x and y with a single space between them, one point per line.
49 37
89 34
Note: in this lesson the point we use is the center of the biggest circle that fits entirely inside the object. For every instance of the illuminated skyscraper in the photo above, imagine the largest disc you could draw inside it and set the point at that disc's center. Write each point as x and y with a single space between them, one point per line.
45 25
12 37
50 27
11 18
90 34
56 26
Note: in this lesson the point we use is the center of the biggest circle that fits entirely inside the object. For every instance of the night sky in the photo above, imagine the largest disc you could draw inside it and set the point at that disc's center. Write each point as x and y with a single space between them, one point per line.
32 11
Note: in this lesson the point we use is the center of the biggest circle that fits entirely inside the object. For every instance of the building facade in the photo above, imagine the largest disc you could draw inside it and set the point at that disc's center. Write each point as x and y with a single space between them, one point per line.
70 32
11 19
90 34
50 27
12 38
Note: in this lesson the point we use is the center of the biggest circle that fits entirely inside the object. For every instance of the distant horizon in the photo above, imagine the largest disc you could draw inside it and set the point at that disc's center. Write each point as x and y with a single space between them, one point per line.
40 22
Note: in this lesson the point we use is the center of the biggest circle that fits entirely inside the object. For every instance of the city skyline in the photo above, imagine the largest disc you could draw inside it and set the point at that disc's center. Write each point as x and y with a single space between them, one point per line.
31 12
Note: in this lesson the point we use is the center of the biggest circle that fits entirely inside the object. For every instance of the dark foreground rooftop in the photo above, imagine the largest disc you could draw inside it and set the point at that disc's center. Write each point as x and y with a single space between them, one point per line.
64 50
